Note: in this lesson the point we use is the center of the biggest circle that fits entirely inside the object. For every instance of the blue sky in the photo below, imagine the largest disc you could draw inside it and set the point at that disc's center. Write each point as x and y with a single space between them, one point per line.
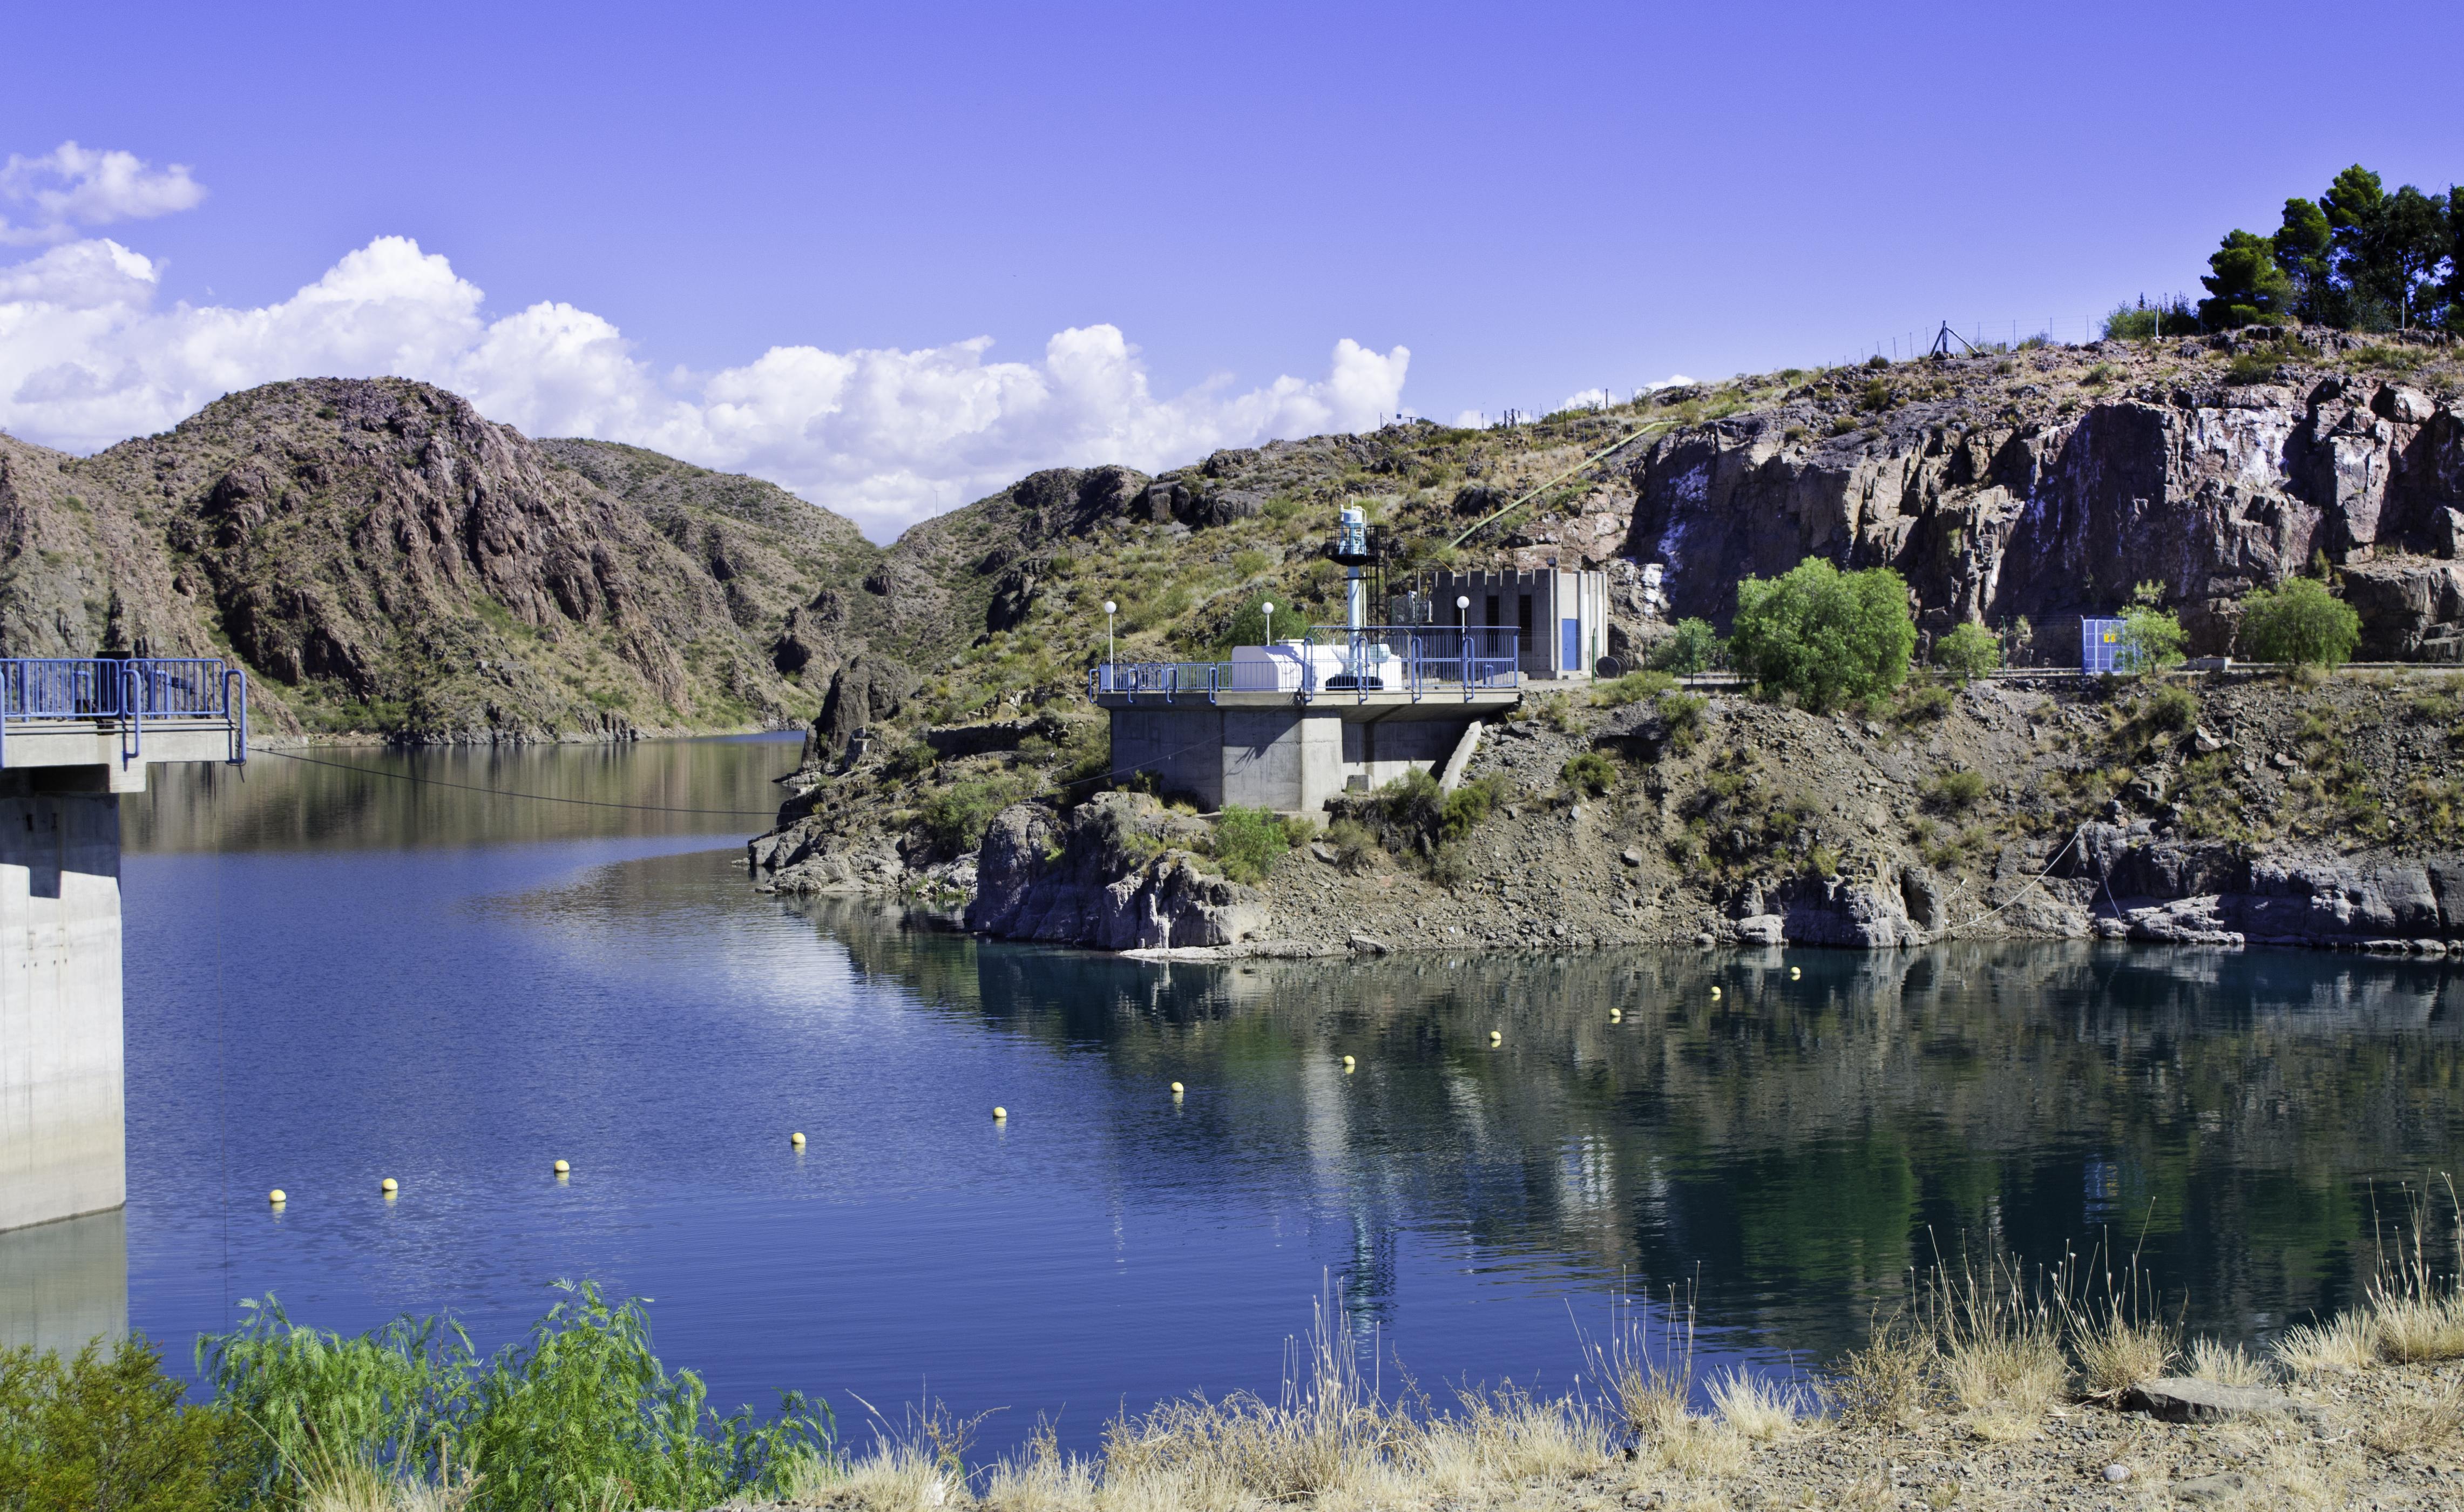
1526 201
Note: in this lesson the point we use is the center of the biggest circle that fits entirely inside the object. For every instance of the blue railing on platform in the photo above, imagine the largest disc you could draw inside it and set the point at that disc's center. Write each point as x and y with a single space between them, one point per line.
128 693
1421 661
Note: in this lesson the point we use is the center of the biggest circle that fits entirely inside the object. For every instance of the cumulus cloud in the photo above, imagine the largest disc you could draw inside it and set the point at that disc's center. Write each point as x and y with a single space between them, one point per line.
72 187
88 356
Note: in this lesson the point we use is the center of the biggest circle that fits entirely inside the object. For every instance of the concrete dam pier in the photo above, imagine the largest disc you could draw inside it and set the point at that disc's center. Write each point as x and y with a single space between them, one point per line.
75 735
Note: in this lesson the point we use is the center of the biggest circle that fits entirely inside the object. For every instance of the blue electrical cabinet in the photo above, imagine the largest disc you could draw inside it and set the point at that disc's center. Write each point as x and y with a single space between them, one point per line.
2099 642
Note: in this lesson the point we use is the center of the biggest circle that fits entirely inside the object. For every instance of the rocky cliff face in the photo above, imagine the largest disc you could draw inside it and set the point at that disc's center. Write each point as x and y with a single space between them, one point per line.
2064 496
385 560
1117 873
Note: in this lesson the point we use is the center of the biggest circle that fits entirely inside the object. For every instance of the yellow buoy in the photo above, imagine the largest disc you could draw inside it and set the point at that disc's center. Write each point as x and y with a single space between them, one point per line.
796 1140
1715 995
278 1196
1176 1089
563 1169
999 1114
388 1186
1793 974
1617 1016
1496 1038
1347 1063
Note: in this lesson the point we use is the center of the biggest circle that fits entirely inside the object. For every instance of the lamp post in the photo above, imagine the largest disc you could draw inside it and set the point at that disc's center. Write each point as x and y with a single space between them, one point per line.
1270 606
1108 607
1462 618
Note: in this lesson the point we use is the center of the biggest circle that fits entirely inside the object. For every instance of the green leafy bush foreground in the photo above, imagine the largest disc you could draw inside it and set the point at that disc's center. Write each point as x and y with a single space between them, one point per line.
578 1414
106 1427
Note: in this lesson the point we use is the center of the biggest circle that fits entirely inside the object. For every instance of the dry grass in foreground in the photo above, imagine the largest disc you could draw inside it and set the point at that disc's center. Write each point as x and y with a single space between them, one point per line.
1984 1392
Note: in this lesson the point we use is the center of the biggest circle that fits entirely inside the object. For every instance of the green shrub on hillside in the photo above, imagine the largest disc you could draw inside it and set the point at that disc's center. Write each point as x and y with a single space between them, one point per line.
1968 653
955 815
1694 648
1590 774
1921 700
1953 790
2137 322
1632 688
1422 817
1684 714
2300 622
1822 635
1248 842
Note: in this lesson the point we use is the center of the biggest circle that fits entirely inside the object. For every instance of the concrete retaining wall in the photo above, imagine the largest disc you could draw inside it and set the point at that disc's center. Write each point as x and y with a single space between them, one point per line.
1286 758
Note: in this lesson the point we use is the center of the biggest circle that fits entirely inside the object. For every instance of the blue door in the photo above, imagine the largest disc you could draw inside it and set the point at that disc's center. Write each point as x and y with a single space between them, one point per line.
1569 646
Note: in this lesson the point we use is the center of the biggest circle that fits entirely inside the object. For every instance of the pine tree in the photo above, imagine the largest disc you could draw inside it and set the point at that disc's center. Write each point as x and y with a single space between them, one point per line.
2356 207
2453 290
2245 285
2301 246
2414 244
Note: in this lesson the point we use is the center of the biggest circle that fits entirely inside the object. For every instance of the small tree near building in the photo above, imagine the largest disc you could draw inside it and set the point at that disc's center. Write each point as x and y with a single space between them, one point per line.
2151 635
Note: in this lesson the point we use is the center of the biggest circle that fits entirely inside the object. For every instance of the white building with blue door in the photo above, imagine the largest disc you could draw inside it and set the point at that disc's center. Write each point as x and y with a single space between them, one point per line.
1560 616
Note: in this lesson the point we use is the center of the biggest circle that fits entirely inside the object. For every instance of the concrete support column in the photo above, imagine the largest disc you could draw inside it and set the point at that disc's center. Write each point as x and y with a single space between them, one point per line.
63 1131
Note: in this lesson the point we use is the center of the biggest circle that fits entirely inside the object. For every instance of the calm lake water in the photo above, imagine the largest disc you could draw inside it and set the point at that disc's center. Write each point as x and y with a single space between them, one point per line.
334 977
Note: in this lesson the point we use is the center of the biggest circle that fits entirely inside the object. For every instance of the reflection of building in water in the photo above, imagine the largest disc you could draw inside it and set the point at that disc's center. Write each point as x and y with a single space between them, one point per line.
62 1283
1789 1149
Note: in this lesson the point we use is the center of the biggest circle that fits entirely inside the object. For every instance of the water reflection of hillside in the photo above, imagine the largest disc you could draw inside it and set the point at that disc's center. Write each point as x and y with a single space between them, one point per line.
1795 1144
362 802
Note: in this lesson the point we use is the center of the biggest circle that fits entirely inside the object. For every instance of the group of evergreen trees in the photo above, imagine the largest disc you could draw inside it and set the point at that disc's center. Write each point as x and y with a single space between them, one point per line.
2357 258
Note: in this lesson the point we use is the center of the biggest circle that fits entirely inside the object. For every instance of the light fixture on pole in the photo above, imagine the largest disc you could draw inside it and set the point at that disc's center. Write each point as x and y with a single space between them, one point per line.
1270 606
1462 610
1108 607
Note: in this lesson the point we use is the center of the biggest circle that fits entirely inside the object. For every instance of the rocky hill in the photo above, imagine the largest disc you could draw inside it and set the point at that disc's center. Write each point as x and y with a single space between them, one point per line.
2020 488
387 561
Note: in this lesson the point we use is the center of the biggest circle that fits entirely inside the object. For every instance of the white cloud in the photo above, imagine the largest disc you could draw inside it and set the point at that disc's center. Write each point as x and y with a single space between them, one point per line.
886 436
71 185
1596 398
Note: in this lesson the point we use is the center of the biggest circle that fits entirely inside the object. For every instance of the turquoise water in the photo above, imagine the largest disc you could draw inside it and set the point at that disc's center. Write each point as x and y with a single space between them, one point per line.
336 977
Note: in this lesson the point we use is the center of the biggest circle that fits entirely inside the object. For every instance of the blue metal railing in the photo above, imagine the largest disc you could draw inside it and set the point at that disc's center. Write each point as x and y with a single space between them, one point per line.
128 693
1422 660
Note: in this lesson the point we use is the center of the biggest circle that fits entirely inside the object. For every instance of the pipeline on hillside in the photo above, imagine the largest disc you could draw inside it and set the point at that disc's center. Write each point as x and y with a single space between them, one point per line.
1535 492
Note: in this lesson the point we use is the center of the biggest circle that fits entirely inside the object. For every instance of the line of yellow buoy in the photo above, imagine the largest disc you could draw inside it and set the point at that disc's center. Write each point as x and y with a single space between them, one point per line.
391 1189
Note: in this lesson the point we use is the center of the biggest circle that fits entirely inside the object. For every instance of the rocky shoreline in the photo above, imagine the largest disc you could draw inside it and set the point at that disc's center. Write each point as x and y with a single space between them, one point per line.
2201 810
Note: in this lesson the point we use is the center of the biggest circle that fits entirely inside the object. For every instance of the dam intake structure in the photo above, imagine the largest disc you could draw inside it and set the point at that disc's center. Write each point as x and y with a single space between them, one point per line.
75 734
